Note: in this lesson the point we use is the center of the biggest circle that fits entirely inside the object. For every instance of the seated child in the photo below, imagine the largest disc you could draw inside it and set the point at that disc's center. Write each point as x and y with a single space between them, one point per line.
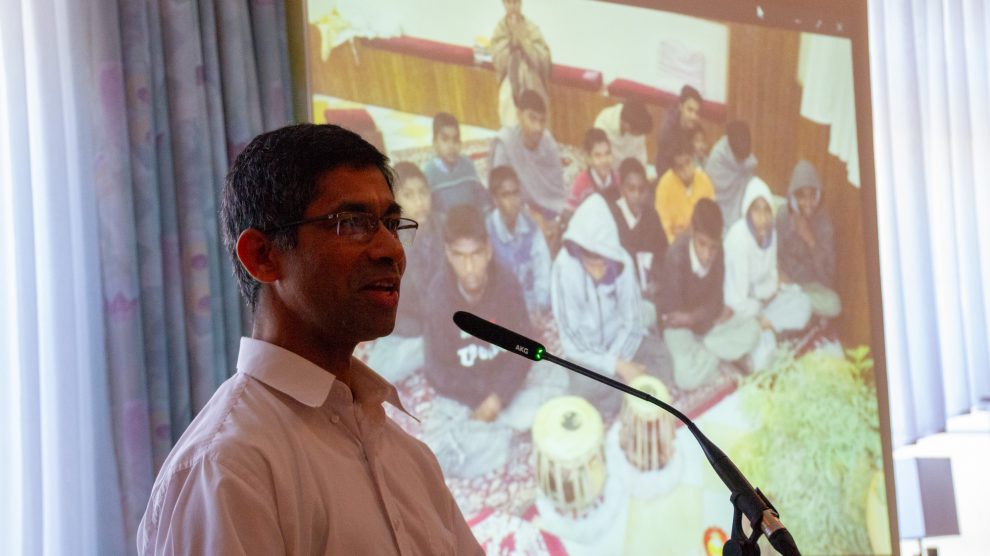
401 353
680 188
599 176
640 230
596 303
730 166
752 284
518 244
485 395
698 330
807 251
533 153
451 175
626 125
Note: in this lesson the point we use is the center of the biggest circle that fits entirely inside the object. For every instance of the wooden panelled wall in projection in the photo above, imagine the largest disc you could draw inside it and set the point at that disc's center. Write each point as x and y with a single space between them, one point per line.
763 91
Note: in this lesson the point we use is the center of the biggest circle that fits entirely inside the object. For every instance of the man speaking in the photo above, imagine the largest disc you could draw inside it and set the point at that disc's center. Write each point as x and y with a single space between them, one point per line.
294 454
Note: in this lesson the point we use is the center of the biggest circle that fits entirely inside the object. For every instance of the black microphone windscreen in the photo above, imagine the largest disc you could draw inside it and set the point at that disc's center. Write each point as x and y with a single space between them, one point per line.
501 337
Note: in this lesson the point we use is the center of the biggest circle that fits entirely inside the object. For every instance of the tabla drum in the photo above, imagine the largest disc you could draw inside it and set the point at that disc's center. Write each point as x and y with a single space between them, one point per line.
646 435
568 437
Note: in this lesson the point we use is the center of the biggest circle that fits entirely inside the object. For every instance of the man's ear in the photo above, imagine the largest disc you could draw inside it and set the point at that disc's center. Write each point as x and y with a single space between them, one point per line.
258 255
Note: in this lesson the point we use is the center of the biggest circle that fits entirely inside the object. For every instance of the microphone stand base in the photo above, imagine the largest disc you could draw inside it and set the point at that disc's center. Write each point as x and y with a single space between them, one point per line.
739 544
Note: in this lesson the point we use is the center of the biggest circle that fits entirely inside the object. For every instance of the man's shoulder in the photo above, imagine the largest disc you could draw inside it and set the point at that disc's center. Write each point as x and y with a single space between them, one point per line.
234 428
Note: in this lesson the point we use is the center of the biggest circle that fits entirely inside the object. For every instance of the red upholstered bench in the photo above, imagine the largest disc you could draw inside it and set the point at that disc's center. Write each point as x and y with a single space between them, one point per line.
433 50
579 78
634 90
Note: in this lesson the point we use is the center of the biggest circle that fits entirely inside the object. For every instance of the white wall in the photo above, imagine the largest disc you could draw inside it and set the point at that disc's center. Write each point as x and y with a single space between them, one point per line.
619 41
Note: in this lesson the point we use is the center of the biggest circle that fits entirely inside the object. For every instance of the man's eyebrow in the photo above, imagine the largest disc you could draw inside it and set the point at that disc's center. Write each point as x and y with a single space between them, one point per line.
394 209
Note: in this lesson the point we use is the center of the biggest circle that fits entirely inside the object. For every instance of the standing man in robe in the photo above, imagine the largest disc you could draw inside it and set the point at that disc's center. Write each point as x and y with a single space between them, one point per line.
522 61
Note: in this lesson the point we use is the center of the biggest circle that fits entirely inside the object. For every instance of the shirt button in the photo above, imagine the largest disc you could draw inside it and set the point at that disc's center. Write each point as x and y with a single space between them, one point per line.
335 418
397 523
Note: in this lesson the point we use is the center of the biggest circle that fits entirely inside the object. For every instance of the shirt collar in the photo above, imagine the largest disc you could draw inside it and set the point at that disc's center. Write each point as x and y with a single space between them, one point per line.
304 381
600 183
627 213
502 231
696 266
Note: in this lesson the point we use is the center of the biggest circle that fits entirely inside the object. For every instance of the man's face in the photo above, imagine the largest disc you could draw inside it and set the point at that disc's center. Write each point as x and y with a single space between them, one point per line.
513 8
807 201
470 257
595 265
532 124
334 289
508 199
700 145
705 247
690 112
761 215
448 144
414 197
633 190
600 158
683 165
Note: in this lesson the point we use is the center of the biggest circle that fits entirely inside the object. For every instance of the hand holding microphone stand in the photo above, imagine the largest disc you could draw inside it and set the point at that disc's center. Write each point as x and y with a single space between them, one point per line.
763 517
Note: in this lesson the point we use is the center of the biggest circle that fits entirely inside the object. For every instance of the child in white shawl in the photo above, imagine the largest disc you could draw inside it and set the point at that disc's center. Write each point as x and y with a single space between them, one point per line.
752 283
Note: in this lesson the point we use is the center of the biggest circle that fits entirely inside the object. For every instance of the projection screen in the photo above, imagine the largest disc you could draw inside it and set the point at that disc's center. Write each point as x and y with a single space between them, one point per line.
714 243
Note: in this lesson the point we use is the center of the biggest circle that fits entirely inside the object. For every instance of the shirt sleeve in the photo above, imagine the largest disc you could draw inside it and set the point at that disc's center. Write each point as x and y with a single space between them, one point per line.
208 508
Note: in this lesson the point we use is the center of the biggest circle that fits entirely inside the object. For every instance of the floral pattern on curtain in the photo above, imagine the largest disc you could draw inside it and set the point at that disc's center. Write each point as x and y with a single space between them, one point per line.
182 86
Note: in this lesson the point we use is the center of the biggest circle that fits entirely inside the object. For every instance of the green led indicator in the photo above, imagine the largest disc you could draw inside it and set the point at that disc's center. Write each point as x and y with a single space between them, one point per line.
539 354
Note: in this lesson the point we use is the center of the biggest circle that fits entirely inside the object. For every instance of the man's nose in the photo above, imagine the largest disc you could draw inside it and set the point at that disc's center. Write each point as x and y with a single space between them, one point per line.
386 245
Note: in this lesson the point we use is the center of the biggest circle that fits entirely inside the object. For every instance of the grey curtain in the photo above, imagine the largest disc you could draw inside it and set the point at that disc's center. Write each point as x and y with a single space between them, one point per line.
929 63
181 86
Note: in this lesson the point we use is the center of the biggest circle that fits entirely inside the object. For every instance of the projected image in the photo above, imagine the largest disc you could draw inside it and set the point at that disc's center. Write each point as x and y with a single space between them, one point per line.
670 201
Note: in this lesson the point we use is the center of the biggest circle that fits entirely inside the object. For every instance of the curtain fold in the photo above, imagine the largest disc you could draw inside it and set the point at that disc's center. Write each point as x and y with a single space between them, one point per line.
929 64
119 314
60 488
180 94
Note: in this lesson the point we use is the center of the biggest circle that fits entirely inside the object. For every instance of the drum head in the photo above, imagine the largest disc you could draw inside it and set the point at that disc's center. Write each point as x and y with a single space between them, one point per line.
568 429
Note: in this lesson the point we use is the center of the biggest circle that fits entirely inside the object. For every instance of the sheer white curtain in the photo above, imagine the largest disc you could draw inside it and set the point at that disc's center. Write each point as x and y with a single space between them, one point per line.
930 69
58 489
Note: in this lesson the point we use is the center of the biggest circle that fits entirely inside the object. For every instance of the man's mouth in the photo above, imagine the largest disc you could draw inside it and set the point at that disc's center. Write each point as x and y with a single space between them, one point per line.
388 285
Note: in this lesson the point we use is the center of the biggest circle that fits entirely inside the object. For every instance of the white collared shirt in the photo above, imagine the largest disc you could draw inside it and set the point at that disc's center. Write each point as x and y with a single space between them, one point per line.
284 459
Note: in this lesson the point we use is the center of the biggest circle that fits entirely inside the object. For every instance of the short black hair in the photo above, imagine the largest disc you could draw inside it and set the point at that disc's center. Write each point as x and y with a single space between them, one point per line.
499 175
631 166
689 92
464 221
405 171
635 114
445 119
740 140
707 218
276 177
531 100
593 137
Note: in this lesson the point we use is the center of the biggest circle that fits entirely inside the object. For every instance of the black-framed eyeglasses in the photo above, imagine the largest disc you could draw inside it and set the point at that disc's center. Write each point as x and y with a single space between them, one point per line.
359 226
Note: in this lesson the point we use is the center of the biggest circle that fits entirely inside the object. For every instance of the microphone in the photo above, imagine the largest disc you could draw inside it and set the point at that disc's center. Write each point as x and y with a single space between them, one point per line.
745 498
501 337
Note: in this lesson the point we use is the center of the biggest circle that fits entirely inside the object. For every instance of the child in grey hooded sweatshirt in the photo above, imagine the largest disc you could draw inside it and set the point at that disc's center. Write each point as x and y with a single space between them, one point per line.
806 254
